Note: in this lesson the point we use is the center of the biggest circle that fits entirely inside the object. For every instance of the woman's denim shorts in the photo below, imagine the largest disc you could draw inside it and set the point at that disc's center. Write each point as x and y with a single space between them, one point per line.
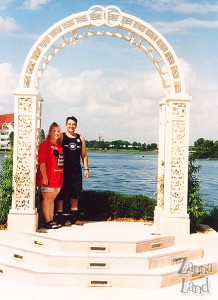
45 189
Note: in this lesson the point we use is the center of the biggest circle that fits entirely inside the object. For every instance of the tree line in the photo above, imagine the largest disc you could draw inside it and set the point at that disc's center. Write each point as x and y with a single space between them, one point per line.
120 144
201 148
204 149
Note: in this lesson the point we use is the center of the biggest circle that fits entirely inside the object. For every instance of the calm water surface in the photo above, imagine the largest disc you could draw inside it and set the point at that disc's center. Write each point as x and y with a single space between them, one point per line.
125 173
137 174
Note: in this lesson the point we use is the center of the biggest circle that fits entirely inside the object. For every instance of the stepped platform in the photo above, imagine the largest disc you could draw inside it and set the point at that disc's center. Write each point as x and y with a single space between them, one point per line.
105 254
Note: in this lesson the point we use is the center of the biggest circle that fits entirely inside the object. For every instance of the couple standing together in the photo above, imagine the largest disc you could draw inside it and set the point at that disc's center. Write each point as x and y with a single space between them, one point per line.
59 173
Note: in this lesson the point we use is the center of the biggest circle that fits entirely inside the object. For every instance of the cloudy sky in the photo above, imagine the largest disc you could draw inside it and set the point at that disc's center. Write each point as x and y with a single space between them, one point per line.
111 87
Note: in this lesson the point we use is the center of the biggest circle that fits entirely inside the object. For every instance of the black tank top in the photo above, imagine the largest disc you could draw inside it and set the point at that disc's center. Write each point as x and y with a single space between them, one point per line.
72 152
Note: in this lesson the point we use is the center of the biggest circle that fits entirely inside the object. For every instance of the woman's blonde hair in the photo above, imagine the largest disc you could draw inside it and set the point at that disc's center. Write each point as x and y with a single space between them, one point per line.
53 125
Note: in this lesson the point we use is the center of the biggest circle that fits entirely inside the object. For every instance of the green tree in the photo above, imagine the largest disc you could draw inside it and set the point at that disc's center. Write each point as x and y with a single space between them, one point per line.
196 205
143 146
126 144
117 144
6 187
11 139
92 144
135 145
42 135
215 149
203 148
153 146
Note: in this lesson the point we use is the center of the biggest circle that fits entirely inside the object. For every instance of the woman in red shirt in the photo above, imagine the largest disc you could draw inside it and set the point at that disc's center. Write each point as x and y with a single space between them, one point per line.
49 175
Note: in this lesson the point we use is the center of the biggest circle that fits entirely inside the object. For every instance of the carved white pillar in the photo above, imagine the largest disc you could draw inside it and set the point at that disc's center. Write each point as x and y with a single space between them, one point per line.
174 219
161 162
27 120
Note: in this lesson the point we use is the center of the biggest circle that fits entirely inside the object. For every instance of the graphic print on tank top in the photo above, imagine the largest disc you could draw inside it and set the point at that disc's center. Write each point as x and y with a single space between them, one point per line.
72 152
74 146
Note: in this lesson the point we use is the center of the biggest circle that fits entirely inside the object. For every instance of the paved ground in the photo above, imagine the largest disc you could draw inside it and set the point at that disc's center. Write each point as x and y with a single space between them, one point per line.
11 290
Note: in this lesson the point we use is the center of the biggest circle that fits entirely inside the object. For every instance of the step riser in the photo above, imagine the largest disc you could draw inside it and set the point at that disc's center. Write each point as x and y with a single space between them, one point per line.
100 280
90 261
44 242
84 280
155 244
172 259
172 279
41 241
77 262
81 246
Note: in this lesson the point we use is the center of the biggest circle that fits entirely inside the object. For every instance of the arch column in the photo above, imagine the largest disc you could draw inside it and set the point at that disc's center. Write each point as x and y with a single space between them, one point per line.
23 215
171 211
161 162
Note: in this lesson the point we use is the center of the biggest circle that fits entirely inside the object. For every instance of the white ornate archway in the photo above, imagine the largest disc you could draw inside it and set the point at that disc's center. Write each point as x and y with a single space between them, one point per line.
171 211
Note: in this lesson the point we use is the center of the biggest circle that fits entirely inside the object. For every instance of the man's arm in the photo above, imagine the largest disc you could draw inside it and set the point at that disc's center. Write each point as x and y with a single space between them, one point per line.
84 156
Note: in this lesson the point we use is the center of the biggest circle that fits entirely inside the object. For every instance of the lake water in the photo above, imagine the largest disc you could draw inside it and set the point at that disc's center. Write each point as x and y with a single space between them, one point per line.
208 175
125 173
137 174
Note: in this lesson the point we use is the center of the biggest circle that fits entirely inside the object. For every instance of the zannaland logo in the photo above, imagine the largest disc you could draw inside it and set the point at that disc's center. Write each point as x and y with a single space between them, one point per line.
195 271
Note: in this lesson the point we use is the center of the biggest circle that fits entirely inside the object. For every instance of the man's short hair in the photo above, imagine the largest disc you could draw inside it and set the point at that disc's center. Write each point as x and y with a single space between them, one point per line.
71 118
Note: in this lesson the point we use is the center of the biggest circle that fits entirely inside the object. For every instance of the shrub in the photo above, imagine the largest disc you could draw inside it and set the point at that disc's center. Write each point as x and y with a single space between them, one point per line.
212 218
196 205
132 206
108 204
6 188
95 204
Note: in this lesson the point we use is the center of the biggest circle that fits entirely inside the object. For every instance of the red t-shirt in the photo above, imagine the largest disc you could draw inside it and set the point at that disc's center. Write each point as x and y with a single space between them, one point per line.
52 156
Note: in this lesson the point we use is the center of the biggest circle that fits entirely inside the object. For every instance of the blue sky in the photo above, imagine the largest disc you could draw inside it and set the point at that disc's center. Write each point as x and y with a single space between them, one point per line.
111 87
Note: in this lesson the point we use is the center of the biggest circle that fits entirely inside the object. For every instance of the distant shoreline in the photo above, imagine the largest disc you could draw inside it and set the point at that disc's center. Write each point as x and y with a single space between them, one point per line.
4 152
123 151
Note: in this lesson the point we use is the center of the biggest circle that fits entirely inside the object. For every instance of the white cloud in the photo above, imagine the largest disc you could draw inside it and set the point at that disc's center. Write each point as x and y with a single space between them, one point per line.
203 113
4 4
8 24
126 108
198 8
115 107
34 4
190 76
8 82
69 90
183 26
185 7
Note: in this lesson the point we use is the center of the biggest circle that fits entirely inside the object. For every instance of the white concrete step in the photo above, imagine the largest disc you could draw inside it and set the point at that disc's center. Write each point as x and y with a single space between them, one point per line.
154 278
40 256
100 254
70 243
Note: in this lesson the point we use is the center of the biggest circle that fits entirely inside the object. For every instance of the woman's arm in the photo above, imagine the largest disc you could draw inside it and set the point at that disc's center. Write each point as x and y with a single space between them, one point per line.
42 168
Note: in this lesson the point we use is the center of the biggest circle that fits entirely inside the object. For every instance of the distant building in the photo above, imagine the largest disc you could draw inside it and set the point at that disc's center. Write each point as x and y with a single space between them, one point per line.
100 137
6 127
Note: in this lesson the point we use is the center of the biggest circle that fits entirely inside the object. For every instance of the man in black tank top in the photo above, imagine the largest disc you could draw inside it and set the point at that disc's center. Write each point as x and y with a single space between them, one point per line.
74 146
